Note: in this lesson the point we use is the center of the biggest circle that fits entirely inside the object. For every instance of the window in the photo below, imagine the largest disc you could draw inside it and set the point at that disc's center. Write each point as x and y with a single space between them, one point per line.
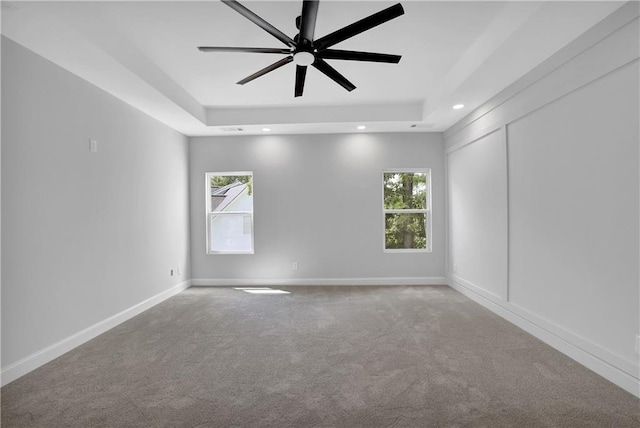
229 203
407 210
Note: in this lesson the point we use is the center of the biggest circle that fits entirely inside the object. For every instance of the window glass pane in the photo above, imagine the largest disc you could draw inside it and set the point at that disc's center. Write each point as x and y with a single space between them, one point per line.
230 232
405 190
230 219
231 193
404 231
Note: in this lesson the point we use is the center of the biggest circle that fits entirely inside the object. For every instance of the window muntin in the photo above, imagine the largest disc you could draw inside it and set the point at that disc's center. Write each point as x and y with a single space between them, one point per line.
229 211
407 210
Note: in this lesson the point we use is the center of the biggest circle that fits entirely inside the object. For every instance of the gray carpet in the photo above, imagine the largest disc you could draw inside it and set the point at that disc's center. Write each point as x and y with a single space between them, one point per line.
318 357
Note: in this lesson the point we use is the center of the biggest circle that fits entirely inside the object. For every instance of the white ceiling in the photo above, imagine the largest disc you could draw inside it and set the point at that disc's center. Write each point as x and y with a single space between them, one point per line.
452 52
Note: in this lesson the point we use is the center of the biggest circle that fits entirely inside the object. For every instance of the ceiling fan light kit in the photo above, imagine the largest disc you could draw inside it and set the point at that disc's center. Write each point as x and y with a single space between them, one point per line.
303 50
303 58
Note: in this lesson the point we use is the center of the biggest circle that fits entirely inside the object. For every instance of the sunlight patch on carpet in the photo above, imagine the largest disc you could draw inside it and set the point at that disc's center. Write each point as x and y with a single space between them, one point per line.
261 290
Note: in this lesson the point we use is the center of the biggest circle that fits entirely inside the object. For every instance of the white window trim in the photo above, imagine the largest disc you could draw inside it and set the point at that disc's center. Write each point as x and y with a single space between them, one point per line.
426 211
209 214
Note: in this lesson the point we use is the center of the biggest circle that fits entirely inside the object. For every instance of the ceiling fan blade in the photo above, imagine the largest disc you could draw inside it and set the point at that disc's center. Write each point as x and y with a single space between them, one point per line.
333 74
260 22
301 73
308 20
275 65
241 49
358 56
359 26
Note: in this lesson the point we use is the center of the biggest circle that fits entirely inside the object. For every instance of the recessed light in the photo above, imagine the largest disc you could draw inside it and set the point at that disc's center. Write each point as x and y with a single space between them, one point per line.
458 106
266 129
361 127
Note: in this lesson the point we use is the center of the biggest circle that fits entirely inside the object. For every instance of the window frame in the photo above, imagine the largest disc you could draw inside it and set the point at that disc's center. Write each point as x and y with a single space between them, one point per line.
209 213
426 211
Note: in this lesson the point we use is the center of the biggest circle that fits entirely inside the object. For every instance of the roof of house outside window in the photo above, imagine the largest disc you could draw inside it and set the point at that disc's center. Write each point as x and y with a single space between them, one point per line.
222 197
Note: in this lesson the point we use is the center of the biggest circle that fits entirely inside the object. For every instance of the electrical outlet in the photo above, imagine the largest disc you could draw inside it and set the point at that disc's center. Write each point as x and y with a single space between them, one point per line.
294 266
93 146
171 273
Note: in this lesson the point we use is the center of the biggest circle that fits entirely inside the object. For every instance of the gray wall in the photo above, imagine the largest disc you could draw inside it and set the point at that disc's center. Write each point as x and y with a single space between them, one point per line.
556 160
318 202
85 235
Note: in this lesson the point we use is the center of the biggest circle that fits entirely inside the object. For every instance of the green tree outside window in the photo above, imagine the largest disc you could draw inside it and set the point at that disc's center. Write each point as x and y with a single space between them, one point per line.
405 206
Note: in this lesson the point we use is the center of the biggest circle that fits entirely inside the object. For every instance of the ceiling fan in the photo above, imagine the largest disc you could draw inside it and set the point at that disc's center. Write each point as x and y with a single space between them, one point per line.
303 50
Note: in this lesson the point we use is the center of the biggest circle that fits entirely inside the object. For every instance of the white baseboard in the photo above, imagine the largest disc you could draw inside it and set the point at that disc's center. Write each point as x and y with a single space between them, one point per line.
39 358
613 368
630 367
266 282
477 289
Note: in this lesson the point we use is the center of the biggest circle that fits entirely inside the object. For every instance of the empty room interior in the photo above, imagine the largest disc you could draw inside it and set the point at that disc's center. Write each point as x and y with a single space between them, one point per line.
320 213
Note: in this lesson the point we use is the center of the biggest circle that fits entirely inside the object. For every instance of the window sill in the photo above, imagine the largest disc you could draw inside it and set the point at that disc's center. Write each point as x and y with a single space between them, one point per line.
215 253
406 250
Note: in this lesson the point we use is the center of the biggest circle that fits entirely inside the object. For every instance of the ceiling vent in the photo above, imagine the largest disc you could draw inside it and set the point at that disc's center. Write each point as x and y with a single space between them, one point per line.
231 129
423 125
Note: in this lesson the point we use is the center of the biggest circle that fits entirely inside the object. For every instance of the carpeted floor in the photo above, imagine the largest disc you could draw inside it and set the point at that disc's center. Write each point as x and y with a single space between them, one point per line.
318 357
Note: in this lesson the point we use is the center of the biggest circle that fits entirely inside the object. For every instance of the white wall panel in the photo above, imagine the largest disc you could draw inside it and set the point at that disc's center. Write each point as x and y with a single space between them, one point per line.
573 180
572 142
477 180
